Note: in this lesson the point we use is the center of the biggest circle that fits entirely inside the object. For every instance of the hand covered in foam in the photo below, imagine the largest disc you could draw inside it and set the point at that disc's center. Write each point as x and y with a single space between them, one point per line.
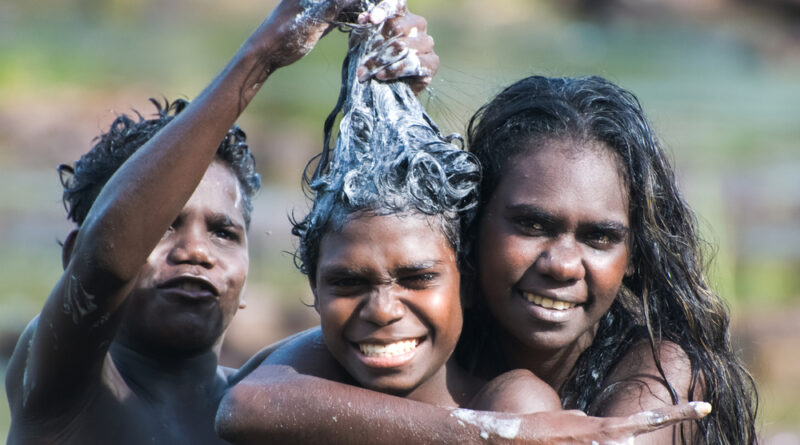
295 26
406 51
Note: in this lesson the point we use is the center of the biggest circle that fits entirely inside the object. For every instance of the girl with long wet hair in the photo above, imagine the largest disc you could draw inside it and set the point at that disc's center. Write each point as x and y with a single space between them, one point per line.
665 336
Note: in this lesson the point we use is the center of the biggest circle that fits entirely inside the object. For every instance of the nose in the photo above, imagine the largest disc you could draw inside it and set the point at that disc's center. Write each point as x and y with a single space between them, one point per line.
383 306
561 260
191 246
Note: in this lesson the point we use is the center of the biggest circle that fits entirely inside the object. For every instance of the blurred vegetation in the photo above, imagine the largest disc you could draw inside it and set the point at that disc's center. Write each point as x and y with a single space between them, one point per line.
719 80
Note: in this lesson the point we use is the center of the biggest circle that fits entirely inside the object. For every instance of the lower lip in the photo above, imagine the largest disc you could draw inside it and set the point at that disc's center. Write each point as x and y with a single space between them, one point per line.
387 362
549 315
184 296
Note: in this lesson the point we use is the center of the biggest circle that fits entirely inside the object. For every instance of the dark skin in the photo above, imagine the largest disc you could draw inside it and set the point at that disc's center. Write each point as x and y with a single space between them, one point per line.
387 290
125 349
557 229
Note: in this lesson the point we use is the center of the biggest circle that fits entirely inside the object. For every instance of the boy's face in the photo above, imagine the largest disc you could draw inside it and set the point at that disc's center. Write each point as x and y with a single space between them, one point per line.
189 289
387 291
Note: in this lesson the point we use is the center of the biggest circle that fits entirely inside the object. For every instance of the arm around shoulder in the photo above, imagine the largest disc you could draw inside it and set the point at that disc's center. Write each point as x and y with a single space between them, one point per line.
636 385
517 391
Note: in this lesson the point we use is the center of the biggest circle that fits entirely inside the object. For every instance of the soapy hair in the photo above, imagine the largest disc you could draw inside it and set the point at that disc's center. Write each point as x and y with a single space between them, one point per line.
389 158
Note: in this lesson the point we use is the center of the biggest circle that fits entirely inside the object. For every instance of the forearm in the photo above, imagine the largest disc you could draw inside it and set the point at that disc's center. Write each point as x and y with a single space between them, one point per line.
146 194
275 404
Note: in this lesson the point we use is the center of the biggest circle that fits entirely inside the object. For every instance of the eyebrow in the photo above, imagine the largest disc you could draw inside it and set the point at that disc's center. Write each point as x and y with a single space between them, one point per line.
542 214
416 267
346 270
223 220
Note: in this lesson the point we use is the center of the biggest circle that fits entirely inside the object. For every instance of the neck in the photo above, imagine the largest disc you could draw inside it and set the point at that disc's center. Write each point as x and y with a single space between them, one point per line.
551 365
163 376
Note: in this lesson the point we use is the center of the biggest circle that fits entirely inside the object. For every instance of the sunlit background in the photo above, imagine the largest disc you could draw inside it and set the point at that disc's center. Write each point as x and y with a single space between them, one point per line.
720 80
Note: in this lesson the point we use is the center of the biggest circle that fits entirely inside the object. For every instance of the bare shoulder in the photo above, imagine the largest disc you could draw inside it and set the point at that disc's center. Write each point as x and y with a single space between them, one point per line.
517 391
306 353
16 366
636 384
236 375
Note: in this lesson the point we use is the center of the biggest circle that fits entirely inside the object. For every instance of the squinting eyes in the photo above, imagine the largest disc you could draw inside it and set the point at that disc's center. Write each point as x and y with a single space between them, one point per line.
417 281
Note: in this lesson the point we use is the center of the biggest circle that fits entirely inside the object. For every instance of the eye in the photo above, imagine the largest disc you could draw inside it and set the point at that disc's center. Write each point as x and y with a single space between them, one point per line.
346 285
530 226
226 234
603 239
348 282
170 229
419 280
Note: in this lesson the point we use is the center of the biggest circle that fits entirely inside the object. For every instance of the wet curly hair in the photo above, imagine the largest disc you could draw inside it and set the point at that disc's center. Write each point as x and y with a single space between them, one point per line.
84 181
667 297
389 158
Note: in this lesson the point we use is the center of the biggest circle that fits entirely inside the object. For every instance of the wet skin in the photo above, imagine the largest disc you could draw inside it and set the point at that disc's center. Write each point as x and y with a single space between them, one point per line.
189 289
383 280
556 228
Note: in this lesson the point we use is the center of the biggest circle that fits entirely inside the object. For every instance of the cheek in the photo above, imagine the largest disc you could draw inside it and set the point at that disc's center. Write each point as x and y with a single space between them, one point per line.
334 312
607 274
236 268
503 261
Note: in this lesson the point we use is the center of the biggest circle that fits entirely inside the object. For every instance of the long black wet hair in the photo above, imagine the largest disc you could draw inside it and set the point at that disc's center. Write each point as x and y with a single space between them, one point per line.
667 297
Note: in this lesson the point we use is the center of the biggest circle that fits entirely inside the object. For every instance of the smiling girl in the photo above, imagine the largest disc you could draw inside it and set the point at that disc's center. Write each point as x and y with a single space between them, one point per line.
590 267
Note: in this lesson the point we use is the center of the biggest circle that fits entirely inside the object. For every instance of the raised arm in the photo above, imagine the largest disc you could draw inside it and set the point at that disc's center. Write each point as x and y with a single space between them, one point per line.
278 403
62 355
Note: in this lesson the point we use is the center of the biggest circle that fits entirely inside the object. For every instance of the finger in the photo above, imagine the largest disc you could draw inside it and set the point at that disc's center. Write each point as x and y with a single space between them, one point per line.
409 66
385 52
652 420
383 11
404 24
413 38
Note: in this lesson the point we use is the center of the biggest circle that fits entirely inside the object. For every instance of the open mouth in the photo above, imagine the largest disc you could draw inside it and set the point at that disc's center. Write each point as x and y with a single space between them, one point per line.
190 287
547 303
388 350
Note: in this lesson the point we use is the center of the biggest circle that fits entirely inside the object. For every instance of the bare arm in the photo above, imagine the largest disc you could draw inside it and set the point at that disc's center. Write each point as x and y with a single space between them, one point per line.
517 391
636 385
277 403
64 354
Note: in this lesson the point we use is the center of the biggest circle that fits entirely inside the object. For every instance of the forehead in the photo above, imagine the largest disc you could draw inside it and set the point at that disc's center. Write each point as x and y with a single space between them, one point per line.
567 173
218 192
384 240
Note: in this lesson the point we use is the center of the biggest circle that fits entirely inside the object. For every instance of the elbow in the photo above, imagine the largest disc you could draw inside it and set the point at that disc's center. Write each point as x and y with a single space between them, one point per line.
243 416
98 257
225 423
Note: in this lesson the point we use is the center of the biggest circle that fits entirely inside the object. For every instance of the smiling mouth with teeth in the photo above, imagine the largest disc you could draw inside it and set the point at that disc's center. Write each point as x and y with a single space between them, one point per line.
389 350
548 303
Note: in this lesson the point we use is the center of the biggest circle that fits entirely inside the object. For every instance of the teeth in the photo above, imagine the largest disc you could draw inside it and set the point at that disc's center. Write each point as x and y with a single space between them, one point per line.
390 350
548 302
191 286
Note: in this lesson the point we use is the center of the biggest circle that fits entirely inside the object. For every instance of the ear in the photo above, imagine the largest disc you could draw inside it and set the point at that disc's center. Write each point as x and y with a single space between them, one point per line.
66 248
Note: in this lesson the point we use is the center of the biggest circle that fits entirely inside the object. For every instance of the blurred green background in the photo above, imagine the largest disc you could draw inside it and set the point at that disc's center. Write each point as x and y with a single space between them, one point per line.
720 80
